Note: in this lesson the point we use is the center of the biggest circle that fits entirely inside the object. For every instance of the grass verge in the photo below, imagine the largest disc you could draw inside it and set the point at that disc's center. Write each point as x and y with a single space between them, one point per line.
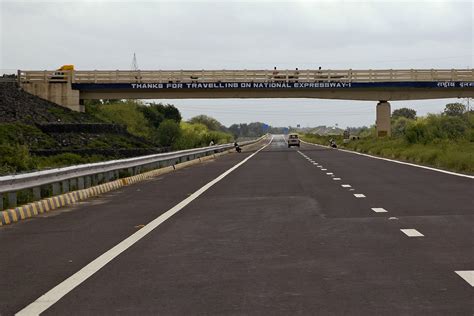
443 154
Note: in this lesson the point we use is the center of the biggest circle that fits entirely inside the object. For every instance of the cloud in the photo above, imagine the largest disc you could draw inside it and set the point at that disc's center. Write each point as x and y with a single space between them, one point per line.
237 35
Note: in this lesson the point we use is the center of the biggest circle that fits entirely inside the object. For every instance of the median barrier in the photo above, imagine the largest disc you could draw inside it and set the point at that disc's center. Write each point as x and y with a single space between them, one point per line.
70 185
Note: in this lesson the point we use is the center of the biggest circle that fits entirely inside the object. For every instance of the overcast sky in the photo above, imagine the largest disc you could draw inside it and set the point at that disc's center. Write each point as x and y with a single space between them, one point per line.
244 35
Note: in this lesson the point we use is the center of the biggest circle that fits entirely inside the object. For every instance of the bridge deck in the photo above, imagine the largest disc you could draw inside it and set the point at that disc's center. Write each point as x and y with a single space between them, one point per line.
295 75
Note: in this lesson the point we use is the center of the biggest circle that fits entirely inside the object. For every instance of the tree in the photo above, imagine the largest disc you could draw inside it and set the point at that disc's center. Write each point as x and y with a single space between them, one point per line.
153 115
404 112
211 123
172 113
454 109
168 132
156 113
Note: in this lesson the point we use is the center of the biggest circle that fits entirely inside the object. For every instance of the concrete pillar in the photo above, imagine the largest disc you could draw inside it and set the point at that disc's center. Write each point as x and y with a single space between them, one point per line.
383 119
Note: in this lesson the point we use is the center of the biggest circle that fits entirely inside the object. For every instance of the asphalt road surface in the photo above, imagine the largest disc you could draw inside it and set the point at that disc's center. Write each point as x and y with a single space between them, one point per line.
307 230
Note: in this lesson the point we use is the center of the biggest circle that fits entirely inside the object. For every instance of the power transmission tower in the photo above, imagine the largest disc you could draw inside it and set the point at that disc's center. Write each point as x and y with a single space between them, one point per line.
134 62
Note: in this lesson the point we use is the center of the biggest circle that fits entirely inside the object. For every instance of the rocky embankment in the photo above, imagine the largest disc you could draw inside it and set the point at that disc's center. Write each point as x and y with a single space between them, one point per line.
47 129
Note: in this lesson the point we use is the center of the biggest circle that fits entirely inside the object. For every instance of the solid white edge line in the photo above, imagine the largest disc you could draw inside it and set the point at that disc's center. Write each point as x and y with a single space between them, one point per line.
468 276
398 161
55 294
410 232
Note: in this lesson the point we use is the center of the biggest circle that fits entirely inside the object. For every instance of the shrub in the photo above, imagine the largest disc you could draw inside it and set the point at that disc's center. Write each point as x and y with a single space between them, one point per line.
15 158
168 132
399 126
127 113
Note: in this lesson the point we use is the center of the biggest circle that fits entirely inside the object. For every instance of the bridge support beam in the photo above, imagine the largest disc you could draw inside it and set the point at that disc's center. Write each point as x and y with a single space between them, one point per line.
382 122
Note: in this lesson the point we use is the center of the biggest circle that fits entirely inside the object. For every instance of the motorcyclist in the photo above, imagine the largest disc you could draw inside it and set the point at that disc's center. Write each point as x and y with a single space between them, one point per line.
237 147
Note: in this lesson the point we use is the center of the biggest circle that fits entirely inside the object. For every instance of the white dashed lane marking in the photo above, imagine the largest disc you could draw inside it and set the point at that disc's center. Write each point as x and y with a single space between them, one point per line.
468 276
329 173
358 195
379 210
336 179
412 232
345 185
324 169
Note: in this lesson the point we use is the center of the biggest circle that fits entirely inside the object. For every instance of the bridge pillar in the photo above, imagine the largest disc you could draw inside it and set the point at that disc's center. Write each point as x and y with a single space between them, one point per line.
382 121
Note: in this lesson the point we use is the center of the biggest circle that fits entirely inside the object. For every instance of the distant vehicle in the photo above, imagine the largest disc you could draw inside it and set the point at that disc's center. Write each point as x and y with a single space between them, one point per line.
60 75
293 140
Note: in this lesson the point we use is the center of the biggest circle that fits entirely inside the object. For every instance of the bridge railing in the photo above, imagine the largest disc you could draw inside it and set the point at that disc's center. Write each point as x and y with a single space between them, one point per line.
60 180
204 76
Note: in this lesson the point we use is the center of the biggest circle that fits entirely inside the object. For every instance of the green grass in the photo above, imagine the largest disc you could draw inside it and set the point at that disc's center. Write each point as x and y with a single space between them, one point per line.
442 153
22 134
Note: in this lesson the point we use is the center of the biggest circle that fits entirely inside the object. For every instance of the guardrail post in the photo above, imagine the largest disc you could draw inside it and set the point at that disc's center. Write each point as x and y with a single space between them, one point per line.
80 183
65 186
37 193
56 188
88 182
1 201
93 180
12 199
73 184
130 171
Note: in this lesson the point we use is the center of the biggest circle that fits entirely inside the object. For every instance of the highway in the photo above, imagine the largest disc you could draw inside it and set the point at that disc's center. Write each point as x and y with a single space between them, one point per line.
279 231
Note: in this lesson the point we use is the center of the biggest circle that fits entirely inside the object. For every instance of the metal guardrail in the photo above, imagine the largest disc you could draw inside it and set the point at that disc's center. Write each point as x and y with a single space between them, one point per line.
276 75
87 175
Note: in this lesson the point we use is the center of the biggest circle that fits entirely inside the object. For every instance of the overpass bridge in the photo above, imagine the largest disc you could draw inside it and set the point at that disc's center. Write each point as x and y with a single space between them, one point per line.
68 88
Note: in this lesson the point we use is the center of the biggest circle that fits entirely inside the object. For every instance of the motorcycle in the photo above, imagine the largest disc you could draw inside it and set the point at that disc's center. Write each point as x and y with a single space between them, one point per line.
237 148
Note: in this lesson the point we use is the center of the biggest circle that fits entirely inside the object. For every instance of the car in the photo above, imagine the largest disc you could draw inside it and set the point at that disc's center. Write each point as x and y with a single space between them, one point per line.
293 140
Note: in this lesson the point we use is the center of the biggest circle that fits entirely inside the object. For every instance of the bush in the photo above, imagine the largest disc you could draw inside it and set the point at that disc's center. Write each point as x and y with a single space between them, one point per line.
15 158
198 135
399 126
168 132
437 127
127 113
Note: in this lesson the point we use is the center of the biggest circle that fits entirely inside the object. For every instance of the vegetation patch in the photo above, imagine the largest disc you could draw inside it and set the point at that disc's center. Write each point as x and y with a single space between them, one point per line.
443 140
